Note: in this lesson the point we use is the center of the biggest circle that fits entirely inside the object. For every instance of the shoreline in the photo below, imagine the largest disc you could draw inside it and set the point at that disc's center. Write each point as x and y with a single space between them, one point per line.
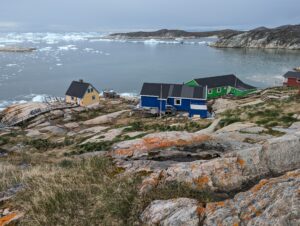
17 49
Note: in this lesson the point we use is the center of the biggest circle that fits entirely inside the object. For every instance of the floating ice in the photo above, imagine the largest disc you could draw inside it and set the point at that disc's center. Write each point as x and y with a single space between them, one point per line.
49 38
22 100
88 49
59 65
45 49
67 47
11 65
129 95
39 98
177 41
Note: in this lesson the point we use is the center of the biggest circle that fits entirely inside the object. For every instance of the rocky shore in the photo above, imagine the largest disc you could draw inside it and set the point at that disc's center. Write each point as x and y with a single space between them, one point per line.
16 49
172 34
108 165
284 37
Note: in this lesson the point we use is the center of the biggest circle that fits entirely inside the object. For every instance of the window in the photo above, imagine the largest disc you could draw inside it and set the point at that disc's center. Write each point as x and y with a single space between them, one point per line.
93 97
298 80
72 98
177 102
209 91
92 90
219 90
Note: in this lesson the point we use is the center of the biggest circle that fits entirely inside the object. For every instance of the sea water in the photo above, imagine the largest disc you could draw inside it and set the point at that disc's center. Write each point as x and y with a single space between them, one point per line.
123 65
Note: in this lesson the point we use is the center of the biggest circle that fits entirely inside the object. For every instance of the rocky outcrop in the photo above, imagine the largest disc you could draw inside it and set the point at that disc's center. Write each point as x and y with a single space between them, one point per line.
141 147
182 211
270 202
171 34
16 49
103 119
234 170
285 37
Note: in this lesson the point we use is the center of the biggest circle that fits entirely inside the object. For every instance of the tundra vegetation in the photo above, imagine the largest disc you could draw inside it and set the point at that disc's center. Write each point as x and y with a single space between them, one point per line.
64 177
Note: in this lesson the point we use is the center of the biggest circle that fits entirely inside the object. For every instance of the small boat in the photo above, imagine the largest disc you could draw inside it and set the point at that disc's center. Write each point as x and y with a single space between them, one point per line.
297 69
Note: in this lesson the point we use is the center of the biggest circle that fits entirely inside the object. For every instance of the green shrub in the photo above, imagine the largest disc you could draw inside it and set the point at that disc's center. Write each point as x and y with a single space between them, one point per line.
4 140
229 120
41 144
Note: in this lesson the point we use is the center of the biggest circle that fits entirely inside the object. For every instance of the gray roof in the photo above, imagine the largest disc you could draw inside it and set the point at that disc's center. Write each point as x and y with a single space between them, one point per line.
292 74
78 89
223 80
164 91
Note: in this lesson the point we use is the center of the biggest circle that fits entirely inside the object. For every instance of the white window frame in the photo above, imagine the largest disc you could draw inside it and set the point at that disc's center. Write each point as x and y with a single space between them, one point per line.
175 101
219 90
298 80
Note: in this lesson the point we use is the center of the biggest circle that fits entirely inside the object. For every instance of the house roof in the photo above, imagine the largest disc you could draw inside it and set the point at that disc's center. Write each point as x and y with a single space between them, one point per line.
292 74
164 90
223 80
78 89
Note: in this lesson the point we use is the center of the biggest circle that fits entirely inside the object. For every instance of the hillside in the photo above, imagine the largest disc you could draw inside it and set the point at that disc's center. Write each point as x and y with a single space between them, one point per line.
108 165
172 34
284 37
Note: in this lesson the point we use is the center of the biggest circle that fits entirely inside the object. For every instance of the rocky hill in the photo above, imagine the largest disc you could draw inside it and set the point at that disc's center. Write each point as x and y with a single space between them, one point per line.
108 165
284 37
172 34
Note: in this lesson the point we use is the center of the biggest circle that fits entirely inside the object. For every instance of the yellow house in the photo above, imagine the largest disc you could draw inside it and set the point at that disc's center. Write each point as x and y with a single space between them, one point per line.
82 93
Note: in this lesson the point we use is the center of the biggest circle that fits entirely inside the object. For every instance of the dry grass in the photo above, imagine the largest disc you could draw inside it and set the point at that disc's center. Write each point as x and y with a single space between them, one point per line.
84 192
268 114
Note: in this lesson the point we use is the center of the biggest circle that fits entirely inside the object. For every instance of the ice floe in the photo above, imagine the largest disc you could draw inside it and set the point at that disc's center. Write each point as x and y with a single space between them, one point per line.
67 47
11 65
48 37
154 41
22 99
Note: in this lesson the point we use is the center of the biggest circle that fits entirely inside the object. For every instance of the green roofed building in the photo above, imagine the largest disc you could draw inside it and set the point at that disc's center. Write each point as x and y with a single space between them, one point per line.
219 86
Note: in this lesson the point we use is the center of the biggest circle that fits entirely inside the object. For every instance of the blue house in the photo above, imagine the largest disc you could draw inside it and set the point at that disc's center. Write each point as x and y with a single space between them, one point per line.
183 98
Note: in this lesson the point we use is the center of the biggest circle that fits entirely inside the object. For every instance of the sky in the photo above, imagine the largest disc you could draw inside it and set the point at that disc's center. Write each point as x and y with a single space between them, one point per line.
118 15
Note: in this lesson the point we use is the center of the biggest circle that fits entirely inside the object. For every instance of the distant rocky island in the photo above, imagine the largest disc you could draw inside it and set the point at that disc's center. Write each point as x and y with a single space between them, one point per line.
172 34
284 37
16 49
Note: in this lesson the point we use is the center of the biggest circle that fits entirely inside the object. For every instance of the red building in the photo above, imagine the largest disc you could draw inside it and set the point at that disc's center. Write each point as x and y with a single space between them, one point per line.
292 79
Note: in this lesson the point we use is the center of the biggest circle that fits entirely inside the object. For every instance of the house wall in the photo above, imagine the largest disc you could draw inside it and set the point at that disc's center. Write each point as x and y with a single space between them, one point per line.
153 102
88 98
69 100
215 94
293 82
186 106
224 90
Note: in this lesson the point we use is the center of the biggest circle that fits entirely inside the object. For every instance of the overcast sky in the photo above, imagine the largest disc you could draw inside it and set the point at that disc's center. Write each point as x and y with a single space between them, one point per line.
103 15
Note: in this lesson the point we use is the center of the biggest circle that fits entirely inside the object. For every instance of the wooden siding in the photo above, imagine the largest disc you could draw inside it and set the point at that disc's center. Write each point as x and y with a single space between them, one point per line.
224 90
86 100
153 102
292 82
185 106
